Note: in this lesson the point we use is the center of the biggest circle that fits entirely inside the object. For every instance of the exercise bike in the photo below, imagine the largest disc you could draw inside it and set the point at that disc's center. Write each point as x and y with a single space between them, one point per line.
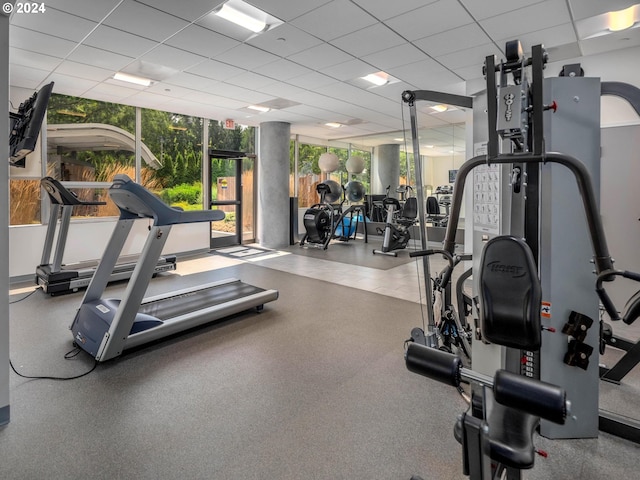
319 218
400 219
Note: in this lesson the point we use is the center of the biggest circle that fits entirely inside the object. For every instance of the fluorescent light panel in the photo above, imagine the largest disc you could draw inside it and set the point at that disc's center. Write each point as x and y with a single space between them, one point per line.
378 79
439 108
125 77
240 18
259 108
622 19
333 124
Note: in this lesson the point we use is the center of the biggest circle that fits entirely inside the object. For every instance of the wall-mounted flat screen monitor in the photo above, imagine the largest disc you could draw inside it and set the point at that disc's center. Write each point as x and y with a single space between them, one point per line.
25 125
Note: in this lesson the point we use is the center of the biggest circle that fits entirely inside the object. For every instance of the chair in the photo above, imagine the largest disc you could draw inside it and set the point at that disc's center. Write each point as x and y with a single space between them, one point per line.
433 213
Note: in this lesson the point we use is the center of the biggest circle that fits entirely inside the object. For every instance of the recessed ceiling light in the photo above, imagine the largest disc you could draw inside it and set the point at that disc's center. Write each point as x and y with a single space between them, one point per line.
622 19
378 79
125 77
439 108
259 108
398 139
243 19
428 146
333 124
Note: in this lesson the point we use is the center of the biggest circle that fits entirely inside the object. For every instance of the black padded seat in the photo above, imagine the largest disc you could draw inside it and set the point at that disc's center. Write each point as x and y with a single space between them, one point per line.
409 212
510 439
510 294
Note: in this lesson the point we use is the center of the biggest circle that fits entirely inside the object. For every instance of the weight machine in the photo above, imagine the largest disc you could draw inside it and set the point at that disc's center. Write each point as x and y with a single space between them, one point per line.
524 192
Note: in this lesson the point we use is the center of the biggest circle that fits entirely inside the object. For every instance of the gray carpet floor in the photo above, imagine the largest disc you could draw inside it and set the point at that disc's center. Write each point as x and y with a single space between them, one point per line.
314 387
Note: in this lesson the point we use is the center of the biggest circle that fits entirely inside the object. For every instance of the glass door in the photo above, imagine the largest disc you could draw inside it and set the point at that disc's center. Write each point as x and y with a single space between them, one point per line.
225 184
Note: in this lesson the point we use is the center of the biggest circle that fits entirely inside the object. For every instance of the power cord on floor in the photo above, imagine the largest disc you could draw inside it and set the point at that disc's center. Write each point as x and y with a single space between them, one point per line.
69 355
26 296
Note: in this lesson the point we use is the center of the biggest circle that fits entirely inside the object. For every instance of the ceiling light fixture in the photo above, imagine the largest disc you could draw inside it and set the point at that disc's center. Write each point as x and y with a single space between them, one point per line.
378 79
259 108
240 18
622 19
439 108
333 124
125 77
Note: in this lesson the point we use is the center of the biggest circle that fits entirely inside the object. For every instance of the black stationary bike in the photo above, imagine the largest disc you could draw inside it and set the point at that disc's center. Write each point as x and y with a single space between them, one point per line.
400 219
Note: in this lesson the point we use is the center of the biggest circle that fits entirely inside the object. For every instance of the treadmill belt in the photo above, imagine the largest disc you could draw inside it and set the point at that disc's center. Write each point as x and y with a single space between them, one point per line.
175 306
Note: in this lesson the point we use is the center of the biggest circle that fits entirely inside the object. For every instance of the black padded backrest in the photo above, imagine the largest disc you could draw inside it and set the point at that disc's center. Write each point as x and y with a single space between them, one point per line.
432 206
510 294
410 208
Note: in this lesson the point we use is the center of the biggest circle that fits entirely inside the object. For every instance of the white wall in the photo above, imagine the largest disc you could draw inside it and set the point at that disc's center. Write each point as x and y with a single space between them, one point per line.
87 240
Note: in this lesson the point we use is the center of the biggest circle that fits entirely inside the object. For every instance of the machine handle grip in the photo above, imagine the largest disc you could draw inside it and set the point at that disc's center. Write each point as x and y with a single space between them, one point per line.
432 363
422 253
531 396
608 305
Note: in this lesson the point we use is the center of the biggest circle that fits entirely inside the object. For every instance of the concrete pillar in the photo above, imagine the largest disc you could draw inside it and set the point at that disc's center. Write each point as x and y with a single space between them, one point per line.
387 161
273 184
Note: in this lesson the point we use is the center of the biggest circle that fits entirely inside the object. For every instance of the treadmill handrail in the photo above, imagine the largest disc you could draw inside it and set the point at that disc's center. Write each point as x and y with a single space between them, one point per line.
135 201
60 195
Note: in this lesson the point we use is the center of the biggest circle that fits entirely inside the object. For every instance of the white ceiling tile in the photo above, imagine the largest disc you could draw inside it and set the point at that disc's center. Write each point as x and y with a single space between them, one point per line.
173 91
201 41
39 42
282 70
471 56
91 10
453 40
583 9
215 70
33 60
431 19
172 57
334 19
99 58
70 85
387 59
287 10
144 21
250 80
538 17
607 43
246 56
54 22
284 40
189 80
321 56
26 77
349 70
384 9
368 40
283 90
425 74
312 80
191 10
481 9
116 88
81 70
550 37
113 40
240 94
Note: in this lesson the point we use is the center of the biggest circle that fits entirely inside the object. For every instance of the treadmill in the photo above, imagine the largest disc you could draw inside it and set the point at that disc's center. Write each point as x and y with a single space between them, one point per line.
56 278
105 327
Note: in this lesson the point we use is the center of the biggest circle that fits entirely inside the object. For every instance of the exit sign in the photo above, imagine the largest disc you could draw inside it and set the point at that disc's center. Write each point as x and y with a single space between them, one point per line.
229 124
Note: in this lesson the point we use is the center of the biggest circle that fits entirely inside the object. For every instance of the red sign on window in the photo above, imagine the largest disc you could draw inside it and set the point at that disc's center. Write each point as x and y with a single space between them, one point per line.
229 124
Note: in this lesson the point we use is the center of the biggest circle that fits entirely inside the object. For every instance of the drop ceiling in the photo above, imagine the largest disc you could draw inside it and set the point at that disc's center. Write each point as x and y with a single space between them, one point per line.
310 65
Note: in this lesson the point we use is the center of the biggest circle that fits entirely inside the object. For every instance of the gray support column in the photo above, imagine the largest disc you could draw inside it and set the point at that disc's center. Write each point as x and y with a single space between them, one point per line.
388 167
273 184
4 224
